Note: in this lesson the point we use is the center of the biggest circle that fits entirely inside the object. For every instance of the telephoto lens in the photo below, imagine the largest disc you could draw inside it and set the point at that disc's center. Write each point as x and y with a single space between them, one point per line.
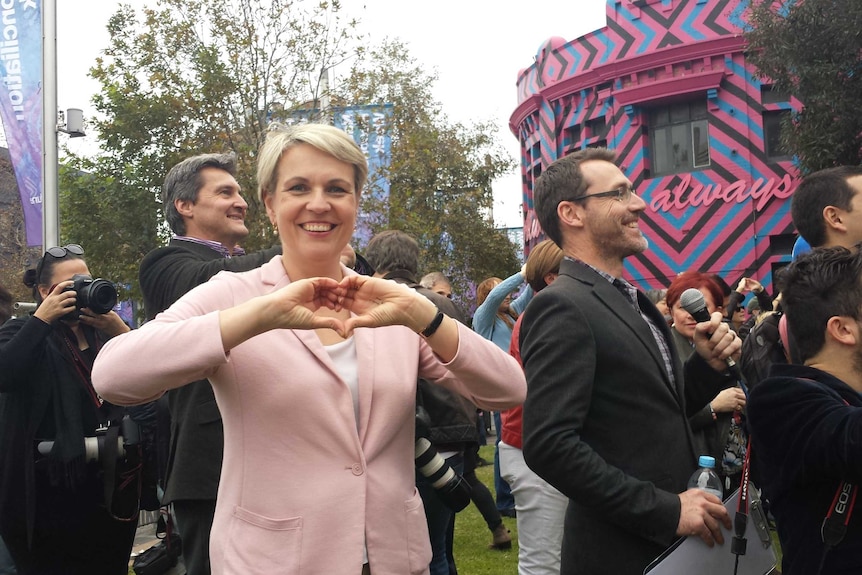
453 491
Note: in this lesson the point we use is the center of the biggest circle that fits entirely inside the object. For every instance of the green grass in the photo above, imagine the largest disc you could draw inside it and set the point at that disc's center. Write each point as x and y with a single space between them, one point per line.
472 555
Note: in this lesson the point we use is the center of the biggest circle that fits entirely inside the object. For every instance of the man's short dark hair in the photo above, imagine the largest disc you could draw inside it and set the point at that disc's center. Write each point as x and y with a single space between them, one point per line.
562 181
823 283
183 182
827 187
392 250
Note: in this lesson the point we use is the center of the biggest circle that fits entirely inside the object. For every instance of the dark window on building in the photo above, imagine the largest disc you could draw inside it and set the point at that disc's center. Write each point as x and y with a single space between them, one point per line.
772 121
598 144
781 244
679 136
769 95
597 128
572 138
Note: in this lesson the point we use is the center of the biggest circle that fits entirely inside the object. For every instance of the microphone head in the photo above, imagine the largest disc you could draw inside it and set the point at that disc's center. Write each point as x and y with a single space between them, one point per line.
694 303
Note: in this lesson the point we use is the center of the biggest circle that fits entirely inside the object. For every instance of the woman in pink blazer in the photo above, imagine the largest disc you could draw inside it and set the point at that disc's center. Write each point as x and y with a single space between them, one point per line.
318 408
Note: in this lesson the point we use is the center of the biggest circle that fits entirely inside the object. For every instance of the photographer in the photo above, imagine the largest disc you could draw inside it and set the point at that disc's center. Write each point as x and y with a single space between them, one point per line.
53 516
394 255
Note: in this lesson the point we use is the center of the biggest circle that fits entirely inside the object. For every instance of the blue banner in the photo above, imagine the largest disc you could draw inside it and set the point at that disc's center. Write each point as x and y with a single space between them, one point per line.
21 103
370 127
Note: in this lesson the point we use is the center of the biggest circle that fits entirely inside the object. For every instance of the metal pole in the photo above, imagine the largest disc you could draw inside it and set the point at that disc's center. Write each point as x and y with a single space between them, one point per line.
325 105
50 197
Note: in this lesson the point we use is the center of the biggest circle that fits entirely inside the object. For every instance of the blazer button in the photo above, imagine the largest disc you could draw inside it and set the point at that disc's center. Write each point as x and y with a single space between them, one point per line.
357 469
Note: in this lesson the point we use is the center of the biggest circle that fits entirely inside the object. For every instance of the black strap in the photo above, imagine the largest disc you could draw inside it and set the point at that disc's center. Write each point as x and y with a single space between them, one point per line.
739 543
131 471
109 464
835 523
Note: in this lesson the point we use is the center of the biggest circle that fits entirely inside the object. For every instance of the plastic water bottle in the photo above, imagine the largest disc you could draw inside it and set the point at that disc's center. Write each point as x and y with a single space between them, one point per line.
705 478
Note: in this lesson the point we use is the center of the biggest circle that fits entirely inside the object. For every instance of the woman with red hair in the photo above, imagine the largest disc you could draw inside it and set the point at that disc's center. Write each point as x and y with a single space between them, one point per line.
717 426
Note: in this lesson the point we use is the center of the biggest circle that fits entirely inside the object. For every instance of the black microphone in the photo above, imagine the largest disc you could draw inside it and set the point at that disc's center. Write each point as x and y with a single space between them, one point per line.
694 303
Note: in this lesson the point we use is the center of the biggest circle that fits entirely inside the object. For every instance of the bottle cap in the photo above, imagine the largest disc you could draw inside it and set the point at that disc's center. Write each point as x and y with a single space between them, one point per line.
706 461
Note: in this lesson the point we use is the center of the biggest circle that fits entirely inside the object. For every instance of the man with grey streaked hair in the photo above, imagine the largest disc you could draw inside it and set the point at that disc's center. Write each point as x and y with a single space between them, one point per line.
206 212
184 181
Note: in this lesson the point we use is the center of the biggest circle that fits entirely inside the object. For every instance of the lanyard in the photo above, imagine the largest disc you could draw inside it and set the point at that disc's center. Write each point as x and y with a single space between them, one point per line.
83 369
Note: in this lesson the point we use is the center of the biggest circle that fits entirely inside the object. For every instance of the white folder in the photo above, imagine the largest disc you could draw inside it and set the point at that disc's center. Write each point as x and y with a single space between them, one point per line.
691 556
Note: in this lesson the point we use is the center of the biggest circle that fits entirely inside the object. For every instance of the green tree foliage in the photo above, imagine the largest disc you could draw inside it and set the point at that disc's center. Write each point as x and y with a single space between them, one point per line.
812 49
440 174
183 78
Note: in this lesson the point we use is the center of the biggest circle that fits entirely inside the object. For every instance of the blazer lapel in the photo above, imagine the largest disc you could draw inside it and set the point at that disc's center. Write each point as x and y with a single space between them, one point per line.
619 305
274 275
650 309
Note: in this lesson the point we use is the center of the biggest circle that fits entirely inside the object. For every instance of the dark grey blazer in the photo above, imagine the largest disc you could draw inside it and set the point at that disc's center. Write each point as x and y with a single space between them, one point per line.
603 423
197 435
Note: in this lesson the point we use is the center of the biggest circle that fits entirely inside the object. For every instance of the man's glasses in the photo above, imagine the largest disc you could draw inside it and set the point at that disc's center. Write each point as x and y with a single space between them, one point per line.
58 252
622 194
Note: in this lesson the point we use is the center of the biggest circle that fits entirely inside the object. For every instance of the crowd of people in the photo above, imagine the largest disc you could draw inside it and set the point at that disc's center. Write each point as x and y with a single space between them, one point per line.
298 381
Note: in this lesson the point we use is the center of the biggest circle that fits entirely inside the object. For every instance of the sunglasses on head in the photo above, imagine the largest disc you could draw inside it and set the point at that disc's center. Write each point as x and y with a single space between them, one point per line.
61 251
58 252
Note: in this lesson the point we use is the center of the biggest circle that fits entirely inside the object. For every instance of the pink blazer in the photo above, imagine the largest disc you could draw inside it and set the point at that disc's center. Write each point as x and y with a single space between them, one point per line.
304 486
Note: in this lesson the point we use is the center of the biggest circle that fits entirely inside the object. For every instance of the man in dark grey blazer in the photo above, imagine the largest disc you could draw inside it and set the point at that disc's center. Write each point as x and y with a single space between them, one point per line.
203 206
605 420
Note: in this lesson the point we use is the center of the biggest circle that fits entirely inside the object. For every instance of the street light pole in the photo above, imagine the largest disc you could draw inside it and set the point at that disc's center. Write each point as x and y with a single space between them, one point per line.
50 197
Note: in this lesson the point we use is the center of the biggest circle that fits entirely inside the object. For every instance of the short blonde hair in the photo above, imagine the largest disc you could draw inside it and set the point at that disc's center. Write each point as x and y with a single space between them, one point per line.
324 137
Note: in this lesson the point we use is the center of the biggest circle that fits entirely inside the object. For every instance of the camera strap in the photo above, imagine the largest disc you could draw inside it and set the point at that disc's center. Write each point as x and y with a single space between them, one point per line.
835 523
115 480
82 366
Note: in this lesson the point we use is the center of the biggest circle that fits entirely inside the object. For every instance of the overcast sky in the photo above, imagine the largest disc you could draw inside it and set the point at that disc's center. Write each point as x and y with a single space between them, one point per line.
476 47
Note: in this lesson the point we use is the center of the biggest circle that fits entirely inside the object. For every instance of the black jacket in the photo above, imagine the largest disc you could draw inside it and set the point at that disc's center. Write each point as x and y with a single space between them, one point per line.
197 435
40 389
604 424
806 438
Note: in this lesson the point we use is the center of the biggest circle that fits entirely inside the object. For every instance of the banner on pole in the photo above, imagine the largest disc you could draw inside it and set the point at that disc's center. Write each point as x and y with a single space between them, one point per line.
21 103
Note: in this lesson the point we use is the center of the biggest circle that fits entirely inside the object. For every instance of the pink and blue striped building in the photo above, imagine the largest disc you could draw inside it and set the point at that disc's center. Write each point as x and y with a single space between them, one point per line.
667 84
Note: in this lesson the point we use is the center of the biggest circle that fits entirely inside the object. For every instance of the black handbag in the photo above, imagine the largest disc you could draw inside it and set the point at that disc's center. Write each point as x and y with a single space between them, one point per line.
156 560
162 556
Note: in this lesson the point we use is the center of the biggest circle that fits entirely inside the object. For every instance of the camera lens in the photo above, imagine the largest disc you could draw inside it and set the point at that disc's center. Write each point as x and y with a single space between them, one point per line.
100 296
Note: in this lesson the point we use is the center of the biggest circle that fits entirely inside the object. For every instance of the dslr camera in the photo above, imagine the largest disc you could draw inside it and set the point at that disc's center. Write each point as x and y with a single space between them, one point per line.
453 491
97 294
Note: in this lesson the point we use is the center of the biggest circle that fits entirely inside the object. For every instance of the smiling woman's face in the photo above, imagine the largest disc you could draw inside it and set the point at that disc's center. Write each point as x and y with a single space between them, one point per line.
314 204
